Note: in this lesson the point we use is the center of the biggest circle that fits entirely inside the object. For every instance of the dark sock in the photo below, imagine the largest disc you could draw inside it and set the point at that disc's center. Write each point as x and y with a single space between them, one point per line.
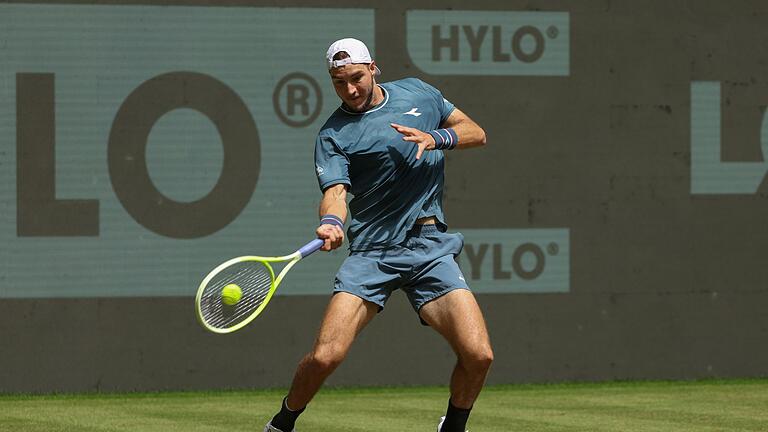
285 420
455 419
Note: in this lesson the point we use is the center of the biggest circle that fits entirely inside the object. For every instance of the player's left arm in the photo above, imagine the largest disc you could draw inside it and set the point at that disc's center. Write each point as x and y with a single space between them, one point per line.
470 133
464 133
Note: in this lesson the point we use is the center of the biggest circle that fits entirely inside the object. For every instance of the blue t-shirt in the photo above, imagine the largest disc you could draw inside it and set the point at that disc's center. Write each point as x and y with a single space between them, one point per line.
390 187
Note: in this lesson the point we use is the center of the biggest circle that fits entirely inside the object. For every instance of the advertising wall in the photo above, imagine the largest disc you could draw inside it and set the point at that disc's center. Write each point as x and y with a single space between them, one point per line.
613 223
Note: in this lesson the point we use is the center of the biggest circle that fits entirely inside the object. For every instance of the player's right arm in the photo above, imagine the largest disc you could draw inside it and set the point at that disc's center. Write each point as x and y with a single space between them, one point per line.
333 204
332 168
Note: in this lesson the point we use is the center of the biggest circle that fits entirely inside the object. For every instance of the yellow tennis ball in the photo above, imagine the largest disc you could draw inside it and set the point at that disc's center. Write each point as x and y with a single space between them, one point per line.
231 294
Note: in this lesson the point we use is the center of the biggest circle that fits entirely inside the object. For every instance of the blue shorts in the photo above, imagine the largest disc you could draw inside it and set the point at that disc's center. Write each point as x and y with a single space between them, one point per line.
423 266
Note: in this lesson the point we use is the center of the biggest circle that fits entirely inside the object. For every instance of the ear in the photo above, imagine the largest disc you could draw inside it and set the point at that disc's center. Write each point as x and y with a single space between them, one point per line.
372 68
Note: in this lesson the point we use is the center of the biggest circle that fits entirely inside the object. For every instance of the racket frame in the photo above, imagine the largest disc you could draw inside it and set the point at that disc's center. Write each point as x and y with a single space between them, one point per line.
275 281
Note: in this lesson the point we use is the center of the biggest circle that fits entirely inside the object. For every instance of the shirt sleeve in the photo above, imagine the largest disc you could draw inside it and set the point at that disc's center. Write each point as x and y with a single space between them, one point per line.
331 164
444 106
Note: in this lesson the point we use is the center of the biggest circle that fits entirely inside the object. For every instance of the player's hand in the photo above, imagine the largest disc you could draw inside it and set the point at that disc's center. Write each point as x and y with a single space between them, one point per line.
421 139
332 234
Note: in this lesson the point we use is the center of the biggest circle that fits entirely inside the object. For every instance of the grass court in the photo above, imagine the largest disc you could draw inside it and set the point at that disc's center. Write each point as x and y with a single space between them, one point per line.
703 406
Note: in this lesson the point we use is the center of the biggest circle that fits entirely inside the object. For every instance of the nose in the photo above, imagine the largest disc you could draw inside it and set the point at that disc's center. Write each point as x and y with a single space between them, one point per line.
351 90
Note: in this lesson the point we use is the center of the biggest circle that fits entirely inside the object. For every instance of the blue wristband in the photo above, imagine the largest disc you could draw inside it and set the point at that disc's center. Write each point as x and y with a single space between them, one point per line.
445 139
330 219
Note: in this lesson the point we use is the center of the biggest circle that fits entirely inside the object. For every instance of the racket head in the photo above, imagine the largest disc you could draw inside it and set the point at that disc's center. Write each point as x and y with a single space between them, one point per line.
256 279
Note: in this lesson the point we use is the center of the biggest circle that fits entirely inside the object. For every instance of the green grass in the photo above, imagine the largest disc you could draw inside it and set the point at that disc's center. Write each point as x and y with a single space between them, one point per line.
637 407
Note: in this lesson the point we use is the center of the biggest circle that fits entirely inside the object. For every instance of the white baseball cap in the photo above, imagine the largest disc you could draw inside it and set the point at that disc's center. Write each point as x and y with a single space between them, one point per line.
357 51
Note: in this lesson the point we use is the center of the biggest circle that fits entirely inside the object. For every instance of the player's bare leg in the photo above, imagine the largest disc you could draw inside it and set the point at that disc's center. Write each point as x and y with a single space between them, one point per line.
345 317
457 317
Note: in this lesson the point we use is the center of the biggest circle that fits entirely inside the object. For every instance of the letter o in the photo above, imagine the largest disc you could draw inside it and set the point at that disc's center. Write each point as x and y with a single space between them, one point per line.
517 258
126 154
517 40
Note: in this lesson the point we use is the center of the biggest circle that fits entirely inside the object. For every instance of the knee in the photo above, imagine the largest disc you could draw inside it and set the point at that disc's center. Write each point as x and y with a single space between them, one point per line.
326 358
479 359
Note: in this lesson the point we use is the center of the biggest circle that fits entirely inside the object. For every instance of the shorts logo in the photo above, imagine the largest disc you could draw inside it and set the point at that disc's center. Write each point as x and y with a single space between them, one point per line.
489 42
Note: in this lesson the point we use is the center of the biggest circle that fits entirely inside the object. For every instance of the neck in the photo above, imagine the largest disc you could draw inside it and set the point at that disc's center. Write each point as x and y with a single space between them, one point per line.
378 95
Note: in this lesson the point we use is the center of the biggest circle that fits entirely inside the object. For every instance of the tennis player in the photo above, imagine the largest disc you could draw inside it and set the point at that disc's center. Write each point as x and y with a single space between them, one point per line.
385 145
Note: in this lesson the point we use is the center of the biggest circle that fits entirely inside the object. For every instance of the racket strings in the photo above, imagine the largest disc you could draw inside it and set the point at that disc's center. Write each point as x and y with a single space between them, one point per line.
255 281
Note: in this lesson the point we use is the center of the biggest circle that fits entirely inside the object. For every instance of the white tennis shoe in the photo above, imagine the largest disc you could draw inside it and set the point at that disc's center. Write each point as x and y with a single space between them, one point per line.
442 419
270 428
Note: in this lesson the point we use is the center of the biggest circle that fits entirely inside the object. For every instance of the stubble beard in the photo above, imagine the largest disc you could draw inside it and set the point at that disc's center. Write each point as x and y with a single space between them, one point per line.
367 105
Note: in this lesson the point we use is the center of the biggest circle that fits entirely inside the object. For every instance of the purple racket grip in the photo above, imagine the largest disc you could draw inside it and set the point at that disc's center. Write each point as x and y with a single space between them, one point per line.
311 247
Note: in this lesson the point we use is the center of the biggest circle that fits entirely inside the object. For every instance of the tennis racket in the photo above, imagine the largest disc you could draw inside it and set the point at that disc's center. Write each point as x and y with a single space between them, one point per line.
237 291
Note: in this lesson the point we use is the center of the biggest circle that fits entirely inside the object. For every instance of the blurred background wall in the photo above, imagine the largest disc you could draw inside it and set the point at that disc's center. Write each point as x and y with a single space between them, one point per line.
614 223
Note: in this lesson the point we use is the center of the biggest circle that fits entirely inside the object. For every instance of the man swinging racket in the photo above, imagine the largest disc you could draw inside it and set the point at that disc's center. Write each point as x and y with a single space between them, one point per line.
385 145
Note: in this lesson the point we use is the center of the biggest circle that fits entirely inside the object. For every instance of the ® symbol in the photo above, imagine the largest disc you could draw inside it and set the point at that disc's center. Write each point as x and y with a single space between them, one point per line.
297 100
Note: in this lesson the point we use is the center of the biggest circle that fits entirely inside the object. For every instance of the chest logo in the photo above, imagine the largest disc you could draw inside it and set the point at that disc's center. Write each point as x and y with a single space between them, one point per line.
413 112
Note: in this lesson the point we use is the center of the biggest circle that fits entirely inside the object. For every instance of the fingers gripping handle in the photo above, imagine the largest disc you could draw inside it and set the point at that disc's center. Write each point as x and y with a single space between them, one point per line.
311 247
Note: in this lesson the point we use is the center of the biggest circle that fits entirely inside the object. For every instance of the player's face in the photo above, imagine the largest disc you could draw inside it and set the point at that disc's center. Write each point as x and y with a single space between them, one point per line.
354 84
